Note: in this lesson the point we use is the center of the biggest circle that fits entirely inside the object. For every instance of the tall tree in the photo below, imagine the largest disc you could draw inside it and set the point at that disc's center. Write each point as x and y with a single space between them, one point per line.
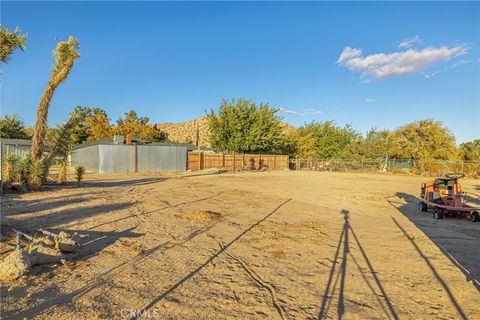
471 150
9 41
98 125
326 140
376 144
12 127
243 126
65 55
424 139
138 127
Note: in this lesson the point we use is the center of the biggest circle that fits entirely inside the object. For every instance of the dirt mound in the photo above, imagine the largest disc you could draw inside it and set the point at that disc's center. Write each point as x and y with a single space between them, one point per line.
203 216
66 243
15 265
40 254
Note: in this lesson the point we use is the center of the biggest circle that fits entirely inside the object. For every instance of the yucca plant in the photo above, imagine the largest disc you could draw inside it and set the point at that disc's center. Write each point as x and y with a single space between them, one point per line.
36 174
79 173
9 173
23 170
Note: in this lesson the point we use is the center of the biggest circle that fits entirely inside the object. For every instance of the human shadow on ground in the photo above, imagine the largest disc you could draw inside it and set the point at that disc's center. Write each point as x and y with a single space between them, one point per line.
187 277
464 257
432 269
337 275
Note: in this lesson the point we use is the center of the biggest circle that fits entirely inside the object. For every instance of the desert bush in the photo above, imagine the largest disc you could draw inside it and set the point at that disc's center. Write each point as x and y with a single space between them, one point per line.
23 169
79 173
9 173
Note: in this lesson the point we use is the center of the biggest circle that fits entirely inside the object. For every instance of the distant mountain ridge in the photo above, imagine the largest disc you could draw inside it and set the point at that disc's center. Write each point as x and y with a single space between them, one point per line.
187 131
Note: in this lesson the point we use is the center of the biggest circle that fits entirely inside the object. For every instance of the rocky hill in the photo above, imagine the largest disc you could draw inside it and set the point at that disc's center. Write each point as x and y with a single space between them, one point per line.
187 131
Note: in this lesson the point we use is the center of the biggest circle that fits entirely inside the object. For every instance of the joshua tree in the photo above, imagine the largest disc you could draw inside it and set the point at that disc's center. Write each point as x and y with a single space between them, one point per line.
36 174
62 175
65 55
9 41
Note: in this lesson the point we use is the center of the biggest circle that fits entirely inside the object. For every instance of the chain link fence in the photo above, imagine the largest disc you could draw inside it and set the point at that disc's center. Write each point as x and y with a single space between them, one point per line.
430 167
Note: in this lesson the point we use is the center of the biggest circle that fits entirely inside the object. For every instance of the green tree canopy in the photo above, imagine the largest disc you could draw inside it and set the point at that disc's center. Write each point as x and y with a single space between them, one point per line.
94 126
138 127
471 150
326 140
243 126
376 144
9 41
12 127
424 139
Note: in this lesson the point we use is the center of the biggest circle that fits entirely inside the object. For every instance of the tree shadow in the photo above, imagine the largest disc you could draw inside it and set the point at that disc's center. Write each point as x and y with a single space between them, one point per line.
464 257
340 275
54 219
168 206
27 206
93 243
119 183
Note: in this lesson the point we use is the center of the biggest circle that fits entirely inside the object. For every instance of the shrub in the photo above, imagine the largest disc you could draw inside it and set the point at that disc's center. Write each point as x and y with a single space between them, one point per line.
9 169
23 169
79 173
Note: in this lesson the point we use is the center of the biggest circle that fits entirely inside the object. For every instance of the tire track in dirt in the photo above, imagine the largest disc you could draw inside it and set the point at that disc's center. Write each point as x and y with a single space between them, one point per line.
187 277
260 281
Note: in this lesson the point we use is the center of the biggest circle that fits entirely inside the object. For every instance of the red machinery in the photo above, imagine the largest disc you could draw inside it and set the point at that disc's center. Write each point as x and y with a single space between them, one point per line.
446 198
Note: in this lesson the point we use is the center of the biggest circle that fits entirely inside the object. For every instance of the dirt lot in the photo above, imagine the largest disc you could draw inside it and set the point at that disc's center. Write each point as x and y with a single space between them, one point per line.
276 245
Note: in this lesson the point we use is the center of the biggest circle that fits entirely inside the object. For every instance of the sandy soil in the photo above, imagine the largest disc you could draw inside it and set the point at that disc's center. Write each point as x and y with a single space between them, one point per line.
266 245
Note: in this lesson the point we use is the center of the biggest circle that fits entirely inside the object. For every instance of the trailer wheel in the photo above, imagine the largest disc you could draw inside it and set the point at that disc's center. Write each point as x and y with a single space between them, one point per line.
475 217
438 214
422 206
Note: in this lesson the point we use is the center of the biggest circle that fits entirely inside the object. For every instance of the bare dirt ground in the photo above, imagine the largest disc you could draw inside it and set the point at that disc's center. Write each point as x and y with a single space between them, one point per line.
264 245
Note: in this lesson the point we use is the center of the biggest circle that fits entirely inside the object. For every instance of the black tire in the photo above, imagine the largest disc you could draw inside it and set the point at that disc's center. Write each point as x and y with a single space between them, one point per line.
475 217
438 214
422 206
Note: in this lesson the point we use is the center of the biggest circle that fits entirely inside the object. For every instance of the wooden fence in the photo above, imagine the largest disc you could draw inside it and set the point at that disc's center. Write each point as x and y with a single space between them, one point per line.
236 162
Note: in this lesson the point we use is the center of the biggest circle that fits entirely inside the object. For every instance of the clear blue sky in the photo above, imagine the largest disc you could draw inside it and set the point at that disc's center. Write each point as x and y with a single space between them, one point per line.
172 61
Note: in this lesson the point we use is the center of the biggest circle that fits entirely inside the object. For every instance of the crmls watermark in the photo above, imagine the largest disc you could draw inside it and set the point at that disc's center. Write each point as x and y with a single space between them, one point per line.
140 313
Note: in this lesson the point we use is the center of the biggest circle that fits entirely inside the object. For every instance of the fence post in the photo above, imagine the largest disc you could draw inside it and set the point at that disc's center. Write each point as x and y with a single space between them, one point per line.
135 158
243 161
223 159
1 168
274 162
260 161
463 167
233 161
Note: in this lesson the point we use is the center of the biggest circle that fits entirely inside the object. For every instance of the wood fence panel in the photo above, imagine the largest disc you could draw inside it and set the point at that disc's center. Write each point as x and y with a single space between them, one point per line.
236 161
